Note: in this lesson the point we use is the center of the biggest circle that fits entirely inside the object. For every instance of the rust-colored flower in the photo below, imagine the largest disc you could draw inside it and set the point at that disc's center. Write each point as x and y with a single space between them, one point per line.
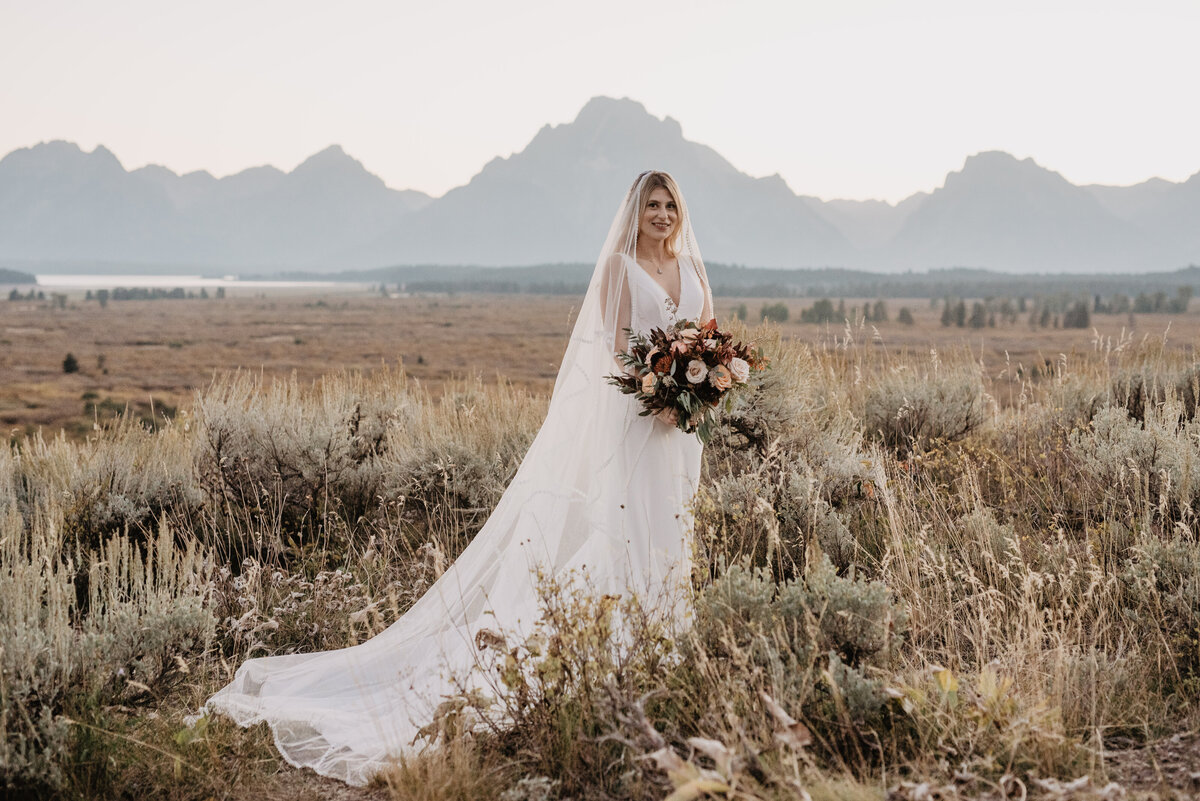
661 364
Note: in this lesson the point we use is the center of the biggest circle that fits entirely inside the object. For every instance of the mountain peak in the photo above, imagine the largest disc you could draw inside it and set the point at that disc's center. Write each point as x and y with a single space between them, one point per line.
998 162
61 155
602 106
331 156
992 167
56 147
104 153
623 114
994 157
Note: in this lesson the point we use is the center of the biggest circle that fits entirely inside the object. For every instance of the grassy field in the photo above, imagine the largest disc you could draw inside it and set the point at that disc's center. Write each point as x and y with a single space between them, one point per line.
145 354
931 563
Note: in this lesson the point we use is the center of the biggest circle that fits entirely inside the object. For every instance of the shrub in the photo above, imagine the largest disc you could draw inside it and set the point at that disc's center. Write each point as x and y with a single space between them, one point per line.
857 618
296 459
780 399
821 311
904 316
845 624
781 467
264 610
1163 585
1152 461
124 478
907 409
448 461
1148 385
70 364
126 641
561 691
774 312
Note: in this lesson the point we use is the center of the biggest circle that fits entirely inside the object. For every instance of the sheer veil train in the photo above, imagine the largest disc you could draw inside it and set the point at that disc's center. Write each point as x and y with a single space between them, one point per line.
601 492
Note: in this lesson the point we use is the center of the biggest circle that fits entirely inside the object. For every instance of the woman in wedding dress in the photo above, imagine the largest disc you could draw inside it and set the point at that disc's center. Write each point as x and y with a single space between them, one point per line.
602 496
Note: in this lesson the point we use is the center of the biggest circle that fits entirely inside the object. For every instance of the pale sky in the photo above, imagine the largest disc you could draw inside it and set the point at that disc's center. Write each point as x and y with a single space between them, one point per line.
843 98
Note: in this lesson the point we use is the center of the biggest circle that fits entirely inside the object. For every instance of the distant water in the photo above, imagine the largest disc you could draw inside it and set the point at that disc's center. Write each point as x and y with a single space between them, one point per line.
181 281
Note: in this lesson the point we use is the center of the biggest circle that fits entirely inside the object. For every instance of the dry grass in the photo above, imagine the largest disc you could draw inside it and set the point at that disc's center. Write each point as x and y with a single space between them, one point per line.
148 354
998 598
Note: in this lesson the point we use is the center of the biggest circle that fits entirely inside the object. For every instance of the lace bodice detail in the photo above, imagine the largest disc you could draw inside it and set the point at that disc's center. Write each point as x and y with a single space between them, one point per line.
653 308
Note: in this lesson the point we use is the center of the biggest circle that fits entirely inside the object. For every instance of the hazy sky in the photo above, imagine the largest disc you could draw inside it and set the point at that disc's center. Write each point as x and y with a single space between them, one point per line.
843 98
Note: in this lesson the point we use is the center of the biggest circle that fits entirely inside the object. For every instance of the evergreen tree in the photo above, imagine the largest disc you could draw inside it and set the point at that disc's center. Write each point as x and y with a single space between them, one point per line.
978 317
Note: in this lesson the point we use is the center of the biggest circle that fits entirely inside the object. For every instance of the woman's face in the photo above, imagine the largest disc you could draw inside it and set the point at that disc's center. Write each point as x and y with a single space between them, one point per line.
659 217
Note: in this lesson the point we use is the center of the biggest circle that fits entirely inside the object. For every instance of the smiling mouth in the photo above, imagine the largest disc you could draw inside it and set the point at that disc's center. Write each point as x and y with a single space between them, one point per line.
662 226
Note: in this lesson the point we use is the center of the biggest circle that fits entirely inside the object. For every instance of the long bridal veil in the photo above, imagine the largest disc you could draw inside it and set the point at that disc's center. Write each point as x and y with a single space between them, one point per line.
348 713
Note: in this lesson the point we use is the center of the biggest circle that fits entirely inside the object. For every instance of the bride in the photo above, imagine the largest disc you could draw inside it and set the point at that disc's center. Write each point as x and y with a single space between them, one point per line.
602 493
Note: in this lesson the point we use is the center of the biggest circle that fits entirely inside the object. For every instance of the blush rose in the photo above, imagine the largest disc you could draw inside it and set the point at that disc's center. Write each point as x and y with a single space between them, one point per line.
740 369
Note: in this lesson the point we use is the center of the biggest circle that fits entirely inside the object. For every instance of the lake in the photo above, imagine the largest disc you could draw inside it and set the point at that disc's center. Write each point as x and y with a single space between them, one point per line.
61 282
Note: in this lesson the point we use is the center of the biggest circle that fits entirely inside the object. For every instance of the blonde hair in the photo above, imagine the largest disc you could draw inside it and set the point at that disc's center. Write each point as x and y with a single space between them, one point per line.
655 179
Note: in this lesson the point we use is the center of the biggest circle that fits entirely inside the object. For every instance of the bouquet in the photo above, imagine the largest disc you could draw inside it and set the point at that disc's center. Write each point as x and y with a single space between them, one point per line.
686 372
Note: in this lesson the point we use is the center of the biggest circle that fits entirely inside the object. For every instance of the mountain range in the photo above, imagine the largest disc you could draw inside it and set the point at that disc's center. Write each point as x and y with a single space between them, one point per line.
552 202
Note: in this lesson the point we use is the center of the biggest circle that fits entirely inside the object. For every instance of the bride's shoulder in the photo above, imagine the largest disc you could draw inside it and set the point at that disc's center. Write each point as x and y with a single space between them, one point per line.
621 264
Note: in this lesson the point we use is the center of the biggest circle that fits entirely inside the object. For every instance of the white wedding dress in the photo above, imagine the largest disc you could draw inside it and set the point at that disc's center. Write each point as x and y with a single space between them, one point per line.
602 496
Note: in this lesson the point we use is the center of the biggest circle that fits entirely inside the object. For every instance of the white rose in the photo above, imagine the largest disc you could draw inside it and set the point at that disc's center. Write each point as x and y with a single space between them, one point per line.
740 369
697 371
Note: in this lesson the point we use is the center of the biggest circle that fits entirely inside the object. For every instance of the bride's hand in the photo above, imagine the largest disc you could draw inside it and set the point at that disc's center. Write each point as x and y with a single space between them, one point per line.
668 416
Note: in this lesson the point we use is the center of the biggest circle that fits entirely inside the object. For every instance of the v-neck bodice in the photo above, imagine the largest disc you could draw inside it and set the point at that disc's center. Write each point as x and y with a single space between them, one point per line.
652 307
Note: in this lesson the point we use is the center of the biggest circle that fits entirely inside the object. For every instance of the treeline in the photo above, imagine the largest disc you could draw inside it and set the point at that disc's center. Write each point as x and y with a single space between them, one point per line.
959 283
149 293
16 277
544 279
823 311
1064 310
103 296
737 281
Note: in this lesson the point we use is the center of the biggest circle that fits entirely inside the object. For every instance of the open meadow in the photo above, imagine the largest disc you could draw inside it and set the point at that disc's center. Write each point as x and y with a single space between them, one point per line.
144 353
931 562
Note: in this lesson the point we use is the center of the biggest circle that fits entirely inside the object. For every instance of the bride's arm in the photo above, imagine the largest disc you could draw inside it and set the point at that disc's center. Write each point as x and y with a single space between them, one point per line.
706 311
616 305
